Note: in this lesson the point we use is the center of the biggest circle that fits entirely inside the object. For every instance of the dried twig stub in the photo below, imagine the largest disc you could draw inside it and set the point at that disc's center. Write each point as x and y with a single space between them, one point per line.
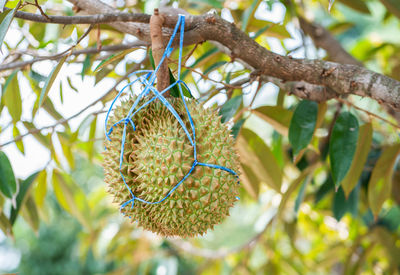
157 46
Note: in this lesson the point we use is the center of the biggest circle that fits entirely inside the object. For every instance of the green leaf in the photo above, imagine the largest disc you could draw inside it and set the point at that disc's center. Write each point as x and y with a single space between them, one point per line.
389 242
19 143
48 106
302 126
5 224
44 140
270 30
341 205
50 79
213 3
324 189
41 188
358 5
198 60
12 97
391 220
11 3
24 188
380 182
61 93
153 64
250 181
294 185
248 13
342 145
228 77
392 6
71 85
8 184
112 58
260 32
300 196
6 18
102 74
174 91
30 213
92 136
322 108
36 76
8 81
340 27
278 117
86 65
214 66
236 127
71 198
255 152
277 148
66 145
360 157
230 107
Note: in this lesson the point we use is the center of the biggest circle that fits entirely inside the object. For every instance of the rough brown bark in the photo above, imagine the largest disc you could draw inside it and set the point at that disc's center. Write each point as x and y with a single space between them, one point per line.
324 39
341 78
157 47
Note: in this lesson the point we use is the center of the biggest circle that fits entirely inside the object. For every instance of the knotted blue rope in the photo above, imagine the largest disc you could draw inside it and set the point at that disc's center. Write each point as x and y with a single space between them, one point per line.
148 78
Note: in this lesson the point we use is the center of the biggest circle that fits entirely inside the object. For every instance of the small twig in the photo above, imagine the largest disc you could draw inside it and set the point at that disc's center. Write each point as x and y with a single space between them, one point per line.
190 54
368 112
41 11
258 89
226 85
64 120
7 126
239 114
237 83
157 46
21 64
77 42
98 37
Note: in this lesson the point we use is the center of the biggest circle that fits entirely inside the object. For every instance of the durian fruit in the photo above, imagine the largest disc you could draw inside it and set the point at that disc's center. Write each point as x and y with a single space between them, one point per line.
158 155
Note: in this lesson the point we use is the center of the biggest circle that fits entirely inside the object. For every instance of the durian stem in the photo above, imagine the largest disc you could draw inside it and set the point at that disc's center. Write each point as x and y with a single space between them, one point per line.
157 46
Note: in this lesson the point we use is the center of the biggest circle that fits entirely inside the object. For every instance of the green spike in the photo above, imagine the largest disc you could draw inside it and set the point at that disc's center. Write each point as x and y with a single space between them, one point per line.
158 155
215 184
205 200
179 203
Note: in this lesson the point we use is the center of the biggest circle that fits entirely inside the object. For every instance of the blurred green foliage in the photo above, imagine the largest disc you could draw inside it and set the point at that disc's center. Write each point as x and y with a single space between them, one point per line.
319 195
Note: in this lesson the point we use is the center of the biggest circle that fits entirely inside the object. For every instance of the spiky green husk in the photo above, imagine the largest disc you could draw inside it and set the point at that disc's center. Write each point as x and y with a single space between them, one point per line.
158 155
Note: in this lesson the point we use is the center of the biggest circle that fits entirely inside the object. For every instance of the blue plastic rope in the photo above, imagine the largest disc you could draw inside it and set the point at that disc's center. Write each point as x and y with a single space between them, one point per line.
147 79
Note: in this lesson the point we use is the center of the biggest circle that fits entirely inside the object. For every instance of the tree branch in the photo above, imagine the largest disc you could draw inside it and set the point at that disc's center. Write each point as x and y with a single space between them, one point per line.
141 30
324 39
342 78
113 48
83 19
303 89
